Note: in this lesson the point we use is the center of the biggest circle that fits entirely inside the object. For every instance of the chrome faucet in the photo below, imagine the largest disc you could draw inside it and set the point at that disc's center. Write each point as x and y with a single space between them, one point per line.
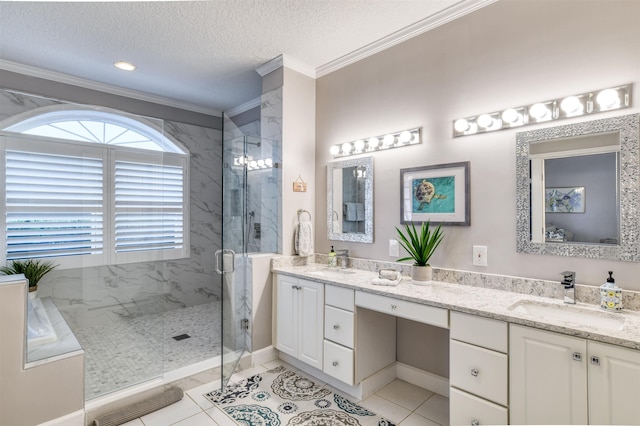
344 255
569 283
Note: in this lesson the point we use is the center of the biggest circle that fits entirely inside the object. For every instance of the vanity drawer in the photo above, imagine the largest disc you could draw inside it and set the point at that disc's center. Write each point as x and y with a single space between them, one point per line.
485 332
401 308
338 362
338 326
480 371
466 409
339 297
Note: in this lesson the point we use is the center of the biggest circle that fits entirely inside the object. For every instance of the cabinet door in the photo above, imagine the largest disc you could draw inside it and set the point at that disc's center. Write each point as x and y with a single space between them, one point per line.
548 377
286 315
311 322
614 384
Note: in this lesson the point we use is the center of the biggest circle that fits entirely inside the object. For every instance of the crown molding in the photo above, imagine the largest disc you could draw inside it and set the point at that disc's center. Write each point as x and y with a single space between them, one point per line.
286 61
243 107
102 87
454 12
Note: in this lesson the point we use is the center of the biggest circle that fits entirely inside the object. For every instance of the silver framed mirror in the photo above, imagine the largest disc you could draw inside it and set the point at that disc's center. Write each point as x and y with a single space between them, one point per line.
350 200
539 201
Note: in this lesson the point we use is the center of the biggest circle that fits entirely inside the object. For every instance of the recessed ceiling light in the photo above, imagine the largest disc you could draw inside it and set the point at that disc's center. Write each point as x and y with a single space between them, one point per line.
123 65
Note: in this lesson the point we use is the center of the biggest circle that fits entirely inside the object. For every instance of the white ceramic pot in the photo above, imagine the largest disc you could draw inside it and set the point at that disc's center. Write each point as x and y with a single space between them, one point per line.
32 293
421 274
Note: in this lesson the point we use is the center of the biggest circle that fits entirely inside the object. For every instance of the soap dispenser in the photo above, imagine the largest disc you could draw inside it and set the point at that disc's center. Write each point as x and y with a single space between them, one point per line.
332 259
610 295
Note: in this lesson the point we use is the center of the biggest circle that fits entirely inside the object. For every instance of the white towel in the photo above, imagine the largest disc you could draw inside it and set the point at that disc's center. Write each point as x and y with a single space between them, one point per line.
384 281
350 212
304 239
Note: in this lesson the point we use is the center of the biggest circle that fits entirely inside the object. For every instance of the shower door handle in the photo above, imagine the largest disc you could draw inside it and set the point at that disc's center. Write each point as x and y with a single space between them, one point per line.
220 261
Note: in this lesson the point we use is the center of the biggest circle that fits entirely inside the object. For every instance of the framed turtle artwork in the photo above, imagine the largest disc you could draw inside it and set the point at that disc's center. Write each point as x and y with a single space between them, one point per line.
437 193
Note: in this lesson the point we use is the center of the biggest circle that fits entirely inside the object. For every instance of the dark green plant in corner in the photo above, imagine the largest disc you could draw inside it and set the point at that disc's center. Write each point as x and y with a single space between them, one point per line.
420 245
33 270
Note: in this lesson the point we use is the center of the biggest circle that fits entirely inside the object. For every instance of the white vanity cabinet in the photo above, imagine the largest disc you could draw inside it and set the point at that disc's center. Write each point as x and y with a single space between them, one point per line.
478 371
560 379
300 319
614 384
339 333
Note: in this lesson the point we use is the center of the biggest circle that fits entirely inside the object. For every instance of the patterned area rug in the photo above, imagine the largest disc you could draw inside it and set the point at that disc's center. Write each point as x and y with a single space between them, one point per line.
283 397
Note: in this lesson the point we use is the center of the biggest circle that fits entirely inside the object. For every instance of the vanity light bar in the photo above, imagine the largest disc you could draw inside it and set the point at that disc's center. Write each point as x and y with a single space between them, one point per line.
571 106
252 164
377 143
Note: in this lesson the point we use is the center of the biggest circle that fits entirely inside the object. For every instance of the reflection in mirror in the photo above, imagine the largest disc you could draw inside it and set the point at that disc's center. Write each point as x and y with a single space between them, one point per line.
577 190
350 200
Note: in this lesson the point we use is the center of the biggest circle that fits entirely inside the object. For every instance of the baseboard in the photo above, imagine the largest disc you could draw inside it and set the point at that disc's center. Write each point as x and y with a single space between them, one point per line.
72 419
423 379
264 355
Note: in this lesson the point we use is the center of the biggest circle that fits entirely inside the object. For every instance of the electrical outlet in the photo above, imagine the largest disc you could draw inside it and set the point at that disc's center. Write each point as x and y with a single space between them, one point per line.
394 248
480 255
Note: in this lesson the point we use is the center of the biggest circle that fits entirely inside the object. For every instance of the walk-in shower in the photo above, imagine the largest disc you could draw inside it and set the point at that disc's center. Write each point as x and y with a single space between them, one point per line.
140 320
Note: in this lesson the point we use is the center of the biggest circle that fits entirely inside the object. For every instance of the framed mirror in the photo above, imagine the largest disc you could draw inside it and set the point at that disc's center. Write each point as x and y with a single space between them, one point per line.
350 200
578 191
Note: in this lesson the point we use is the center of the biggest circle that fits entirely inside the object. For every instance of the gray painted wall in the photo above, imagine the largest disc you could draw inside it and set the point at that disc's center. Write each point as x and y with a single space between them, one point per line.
507 54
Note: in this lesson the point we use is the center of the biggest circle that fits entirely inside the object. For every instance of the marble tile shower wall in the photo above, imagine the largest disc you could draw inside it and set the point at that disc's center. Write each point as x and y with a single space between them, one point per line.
531 286
88 296
271 187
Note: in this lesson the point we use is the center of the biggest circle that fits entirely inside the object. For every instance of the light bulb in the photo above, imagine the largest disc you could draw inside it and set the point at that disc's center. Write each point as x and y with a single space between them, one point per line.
334 150
608 98
253 164
571 105
359 145
268 162
486 121
510 115
405 136
261 163
373 143
539 111
346 148
388 140
461 125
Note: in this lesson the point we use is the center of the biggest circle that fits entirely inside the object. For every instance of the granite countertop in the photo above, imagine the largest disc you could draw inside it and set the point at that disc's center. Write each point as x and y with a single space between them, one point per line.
496 304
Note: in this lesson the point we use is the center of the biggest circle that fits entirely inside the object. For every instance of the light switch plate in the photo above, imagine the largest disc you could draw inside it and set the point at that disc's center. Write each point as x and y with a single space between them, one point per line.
394 248
480 255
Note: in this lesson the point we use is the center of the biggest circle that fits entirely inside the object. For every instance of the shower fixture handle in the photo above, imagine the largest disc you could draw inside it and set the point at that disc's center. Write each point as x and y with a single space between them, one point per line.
220 263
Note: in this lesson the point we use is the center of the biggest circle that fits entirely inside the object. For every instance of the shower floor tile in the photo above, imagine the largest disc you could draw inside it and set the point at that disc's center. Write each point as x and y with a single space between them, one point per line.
132 350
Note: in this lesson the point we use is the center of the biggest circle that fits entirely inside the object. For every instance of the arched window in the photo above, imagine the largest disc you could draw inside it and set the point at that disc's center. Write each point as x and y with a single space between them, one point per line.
88 186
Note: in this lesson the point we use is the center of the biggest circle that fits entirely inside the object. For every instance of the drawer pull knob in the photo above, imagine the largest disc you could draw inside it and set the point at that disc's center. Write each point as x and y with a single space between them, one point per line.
475 422
474 372
577 356
335 363
394 307
336 326
595 360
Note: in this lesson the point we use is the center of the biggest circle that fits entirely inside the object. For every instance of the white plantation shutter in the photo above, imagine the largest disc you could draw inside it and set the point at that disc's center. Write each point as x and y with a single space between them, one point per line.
54 205
86 204
149 206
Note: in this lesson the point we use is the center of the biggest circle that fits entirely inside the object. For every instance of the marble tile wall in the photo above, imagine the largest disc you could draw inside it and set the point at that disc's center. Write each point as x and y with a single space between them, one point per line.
91 295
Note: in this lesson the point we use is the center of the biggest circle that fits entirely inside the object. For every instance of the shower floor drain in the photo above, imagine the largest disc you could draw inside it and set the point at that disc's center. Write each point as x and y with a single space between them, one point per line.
181 337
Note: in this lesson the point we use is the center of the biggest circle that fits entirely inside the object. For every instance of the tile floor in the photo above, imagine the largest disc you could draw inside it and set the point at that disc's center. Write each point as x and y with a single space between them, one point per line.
399 401
138 346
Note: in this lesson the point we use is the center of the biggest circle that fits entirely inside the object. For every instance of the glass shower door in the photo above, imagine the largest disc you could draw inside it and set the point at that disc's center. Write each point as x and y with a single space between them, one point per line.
232 262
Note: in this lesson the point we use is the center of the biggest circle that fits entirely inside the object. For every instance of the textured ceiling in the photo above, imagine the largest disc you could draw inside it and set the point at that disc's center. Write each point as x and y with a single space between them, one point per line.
201 54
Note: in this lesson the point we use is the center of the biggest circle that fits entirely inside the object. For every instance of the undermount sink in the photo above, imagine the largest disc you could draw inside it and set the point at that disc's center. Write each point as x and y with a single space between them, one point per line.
569 313
333 272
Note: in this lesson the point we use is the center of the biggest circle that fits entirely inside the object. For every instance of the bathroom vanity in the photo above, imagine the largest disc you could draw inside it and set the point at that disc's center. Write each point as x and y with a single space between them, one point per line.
514 358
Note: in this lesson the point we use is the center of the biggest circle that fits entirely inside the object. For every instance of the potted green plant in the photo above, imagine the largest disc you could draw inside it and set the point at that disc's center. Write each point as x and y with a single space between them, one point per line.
33 270
420 245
